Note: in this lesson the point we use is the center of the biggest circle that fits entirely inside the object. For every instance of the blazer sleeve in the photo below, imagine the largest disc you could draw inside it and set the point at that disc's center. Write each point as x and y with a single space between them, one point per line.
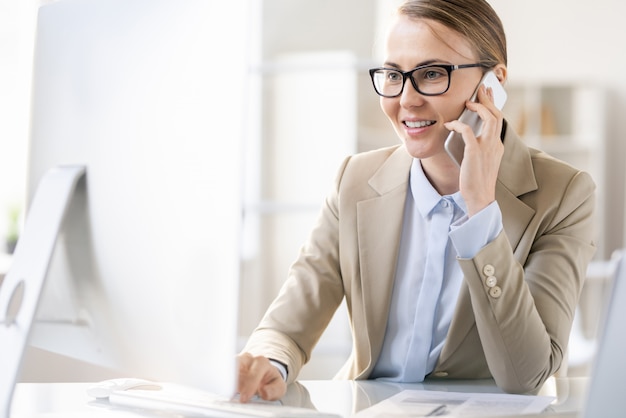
524 304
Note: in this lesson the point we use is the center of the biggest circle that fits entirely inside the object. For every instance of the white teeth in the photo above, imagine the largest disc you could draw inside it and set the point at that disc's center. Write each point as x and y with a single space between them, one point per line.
419 124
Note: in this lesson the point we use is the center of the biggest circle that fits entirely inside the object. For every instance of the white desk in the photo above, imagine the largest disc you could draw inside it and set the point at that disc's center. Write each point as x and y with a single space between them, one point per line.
55 400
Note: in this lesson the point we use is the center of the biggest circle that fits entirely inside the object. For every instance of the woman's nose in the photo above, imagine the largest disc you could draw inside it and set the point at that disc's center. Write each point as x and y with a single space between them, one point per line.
410 96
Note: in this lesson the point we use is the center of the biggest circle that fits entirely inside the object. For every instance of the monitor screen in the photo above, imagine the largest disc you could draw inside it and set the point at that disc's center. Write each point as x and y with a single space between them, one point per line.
150 96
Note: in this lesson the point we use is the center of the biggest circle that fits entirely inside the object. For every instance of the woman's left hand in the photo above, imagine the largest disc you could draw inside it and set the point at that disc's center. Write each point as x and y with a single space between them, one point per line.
483 154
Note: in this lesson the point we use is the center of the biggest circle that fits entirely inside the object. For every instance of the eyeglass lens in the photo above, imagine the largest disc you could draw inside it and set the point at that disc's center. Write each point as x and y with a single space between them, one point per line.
430 80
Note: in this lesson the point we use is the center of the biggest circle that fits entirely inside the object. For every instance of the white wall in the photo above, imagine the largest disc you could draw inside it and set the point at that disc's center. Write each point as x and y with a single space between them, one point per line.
16 22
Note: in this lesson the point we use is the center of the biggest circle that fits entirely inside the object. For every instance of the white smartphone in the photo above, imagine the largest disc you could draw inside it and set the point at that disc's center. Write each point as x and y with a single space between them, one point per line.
455 145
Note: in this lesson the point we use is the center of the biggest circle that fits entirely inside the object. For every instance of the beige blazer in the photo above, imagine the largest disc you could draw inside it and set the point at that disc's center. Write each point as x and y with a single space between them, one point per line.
515 331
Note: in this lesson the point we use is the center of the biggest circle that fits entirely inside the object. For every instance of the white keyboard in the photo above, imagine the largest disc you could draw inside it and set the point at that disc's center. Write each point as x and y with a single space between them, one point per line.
208 406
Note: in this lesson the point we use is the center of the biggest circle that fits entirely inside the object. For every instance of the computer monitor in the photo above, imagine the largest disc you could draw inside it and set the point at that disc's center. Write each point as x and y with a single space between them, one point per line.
605 397
149 96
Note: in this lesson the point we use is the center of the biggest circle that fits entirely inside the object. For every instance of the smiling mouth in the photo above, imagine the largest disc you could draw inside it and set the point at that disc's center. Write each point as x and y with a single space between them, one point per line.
419 124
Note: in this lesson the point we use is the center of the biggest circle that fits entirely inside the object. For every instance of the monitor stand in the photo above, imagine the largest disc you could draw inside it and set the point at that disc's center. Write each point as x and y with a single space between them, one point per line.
22 286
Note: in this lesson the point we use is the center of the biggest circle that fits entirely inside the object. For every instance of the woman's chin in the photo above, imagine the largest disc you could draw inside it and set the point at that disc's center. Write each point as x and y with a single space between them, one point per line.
420 150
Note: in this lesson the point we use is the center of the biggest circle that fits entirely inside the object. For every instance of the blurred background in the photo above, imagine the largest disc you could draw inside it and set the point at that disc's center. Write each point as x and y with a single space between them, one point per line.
314 105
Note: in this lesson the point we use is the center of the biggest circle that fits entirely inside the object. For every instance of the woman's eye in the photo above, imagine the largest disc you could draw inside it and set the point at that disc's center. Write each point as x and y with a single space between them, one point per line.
394 76
433 74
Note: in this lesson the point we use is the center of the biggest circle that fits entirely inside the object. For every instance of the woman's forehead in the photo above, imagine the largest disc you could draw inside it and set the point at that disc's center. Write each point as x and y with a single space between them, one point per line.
426 40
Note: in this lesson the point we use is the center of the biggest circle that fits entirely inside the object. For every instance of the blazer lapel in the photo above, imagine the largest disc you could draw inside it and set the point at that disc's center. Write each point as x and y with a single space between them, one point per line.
515 178
379 243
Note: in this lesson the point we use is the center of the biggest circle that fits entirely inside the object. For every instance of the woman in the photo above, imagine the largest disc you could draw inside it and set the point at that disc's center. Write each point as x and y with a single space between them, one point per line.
448 272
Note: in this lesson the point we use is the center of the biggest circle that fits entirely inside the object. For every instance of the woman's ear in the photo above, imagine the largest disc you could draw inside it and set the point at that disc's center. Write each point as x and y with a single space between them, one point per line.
501 72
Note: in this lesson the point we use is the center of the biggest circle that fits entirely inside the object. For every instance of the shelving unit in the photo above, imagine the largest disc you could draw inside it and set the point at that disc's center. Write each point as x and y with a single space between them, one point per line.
308 125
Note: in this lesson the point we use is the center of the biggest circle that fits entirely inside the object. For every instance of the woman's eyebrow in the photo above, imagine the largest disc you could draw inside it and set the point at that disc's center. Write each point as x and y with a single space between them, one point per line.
427 62
388 64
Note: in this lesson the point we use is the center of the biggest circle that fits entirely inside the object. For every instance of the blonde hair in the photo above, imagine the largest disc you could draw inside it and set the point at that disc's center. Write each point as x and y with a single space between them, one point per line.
474 19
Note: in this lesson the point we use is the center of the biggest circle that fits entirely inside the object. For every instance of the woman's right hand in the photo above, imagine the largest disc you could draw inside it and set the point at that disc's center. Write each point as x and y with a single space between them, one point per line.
482 155
257 376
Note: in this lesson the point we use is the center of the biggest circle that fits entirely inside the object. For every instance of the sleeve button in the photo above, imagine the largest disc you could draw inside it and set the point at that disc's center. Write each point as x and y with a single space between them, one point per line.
495 292
491 281
489 270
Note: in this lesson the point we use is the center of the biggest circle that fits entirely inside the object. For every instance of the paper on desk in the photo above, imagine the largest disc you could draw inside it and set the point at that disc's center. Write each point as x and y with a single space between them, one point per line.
427 403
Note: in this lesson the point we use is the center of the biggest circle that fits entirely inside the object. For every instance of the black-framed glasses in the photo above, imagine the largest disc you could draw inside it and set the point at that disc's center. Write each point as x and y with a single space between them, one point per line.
429 80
